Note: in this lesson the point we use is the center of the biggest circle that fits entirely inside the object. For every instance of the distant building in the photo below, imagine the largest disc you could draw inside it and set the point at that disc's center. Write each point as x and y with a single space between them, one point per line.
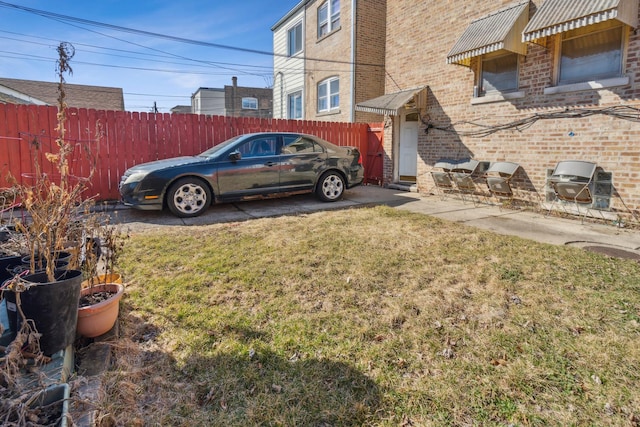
233 101
181 109
208 101
328 57
32 92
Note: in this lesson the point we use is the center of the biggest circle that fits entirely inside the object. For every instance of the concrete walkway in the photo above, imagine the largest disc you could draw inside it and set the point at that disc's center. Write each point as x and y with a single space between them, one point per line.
526 224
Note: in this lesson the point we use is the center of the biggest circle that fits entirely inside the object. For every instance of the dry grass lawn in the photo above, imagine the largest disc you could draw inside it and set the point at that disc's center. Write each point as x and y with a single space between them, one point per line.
372 317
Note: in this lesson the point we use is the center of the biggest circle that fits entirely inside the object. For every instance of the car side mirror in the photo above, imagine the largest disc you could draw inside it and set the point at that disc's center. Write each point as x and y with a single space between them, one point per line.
235 156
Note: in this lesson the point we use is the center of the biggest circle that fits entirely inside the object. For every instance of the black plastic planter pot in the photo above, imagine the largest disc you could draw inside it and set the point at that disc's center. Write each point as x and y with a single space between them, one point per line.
6 265
53 307
41 262
40 268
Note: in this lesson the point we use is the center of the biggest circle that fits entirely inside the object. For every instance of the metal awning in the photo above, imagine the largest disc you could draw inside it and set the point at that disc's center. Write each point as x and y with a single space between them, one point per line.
392 103
497 31
558 16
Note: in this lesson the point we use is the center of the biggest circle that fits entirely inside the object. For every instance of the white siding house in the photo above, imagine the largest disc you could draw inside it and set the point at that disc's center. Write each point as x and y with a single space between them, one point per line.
288 64
208 101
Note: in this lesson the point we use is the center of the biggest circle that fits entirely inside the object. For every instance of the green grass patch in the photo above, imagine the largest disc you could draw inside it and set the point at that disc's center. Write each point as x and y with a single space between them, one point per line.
372 317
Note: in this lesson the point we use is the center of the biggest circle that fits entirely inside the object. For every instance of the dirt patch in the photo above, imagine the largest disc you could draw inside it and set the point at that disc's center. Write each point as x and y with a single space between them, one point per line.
608 250
614 252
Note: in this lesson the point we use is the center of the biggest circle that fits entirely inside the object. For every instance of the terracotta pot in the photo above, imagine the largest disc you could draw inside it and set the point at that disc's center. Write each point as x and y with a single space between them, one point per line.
95 320
102 279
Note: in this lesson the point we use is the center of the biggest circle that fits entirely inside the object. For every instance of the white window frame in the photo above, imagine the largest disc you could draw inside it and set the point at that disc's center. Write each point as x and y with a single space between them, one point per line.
292 39
326 102
290 113
331 23
249 103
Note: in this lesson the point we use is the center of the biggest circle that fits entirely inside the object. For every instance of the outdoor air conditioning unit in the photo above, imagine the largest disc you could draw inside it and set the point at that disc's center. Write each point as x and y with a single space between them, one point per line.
600 187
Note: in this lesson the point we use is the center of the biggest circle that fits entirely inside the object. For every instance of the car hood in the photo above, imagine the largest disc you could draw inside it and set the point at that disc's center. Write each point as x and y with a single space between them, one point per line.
163 164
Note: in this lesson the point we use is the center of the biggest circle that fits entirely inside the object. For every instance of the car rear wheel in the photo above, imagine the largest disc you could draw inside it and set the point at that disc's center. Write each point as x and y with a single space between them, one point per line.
330 187
188 197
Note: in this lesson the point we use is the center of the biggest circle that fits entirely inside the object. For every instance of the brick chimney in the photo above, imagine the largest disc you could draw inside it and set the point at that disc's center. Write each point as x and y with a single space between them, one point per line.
234 96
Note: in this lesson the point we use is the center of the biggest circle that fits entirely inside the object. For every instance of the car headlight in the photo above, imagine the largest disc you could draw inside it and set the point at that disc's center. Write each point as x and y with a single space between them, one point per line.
135 177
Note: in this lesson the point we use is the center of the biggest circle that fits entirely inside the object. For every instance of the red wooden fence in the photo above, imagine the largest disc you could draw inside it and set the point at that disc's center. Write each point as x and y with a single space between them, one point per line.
120 139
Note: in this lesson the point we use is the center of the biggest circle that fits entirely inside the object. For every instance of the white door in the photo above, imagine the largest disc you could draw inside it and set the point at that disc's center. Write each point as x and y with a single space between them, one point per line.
408 148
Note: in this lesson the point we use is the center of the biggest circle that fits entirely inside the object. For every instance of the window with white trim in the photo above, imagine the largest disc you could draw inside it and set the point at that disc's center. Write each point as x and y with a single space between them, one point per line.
329 94
591 53
498 73
294 36
295 105
249 103
328 17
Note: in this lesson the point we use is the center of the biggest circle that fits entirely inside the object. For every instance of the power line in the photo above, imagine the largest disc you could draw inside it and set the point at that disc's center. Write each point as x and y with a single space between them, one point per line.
265 77
44 14
208 63
160 70
67 18
157 96
290 71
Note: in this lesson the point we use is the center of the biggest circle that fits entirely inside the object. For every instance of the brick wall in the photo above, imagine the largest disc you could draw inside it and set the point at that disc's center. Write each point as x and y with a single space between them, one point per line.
371 29
233 101
419 37
335 50
336 47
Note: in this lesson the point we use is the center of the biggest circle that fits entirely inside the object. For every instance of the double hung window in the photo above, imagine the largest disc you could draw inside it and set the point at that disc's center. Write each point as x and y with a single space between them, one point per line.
294 36
329 94
295 105
328 17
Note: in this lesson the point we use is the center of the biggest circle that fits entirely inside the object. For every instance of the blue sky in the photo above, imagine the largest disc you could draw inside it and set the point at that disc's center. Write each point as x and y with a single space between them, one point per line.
148 69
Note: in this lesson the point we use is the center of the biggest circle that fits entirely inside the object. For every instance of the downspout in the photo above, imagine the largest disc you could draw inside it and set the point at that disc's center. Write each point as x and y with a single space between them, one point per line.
281 74
354 5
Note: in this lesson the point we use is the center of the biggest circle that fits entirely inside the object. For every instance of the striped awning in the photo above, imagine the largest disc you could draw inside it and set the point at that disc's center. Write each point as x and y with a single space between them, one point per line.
558 16
391 104
499 30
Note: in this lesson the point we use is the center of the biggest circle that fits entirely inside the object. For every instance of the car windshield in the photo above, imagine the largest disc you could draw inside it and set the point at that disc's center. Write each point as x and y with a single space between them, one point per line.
216 148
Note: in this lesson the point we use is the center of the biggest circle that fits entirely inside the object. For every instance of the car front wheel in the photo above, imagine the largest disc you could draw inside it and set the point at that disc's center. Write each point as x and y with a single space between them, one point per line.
188 197
330 187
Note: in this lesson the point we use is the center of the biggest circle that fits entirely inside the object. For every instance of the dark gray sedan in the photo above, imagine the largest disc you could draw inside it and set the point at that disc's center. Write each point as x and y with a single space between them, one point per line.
252 166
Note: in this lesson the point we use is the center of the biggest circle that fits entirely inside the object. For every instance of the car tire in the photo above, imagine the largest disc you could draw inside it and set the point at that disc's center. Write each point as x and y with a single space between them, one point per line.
188 197
330 187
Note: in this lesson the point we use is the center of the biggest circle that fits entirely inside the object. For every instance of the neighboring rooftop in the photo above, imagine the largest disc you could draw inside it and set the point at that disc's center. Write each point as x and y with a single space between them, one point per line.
181 109
6 98
78 96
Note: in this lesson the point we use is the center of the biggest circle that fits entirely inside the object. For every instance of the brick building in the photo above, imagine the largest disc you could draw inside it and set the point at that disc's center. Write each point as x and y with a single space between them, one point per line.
329 55
17 91
233 101
531 82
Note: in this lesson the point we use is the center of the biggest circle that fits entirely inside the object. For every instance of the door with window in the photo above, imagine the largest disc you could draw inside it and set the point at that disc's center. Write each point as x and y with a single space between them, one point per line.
408 148
302 161
256 172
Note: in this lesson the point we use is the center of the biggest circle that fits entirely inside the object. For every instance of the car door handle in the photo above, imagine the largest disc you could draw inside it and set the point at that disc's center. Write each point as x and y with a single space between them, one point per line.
270 164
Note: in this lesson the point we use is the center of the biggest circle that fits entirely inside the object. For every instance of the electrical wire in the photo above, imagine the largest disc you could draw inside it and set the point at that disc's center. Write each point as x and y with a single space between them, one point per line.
67 19
124 67
199 64
622 112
